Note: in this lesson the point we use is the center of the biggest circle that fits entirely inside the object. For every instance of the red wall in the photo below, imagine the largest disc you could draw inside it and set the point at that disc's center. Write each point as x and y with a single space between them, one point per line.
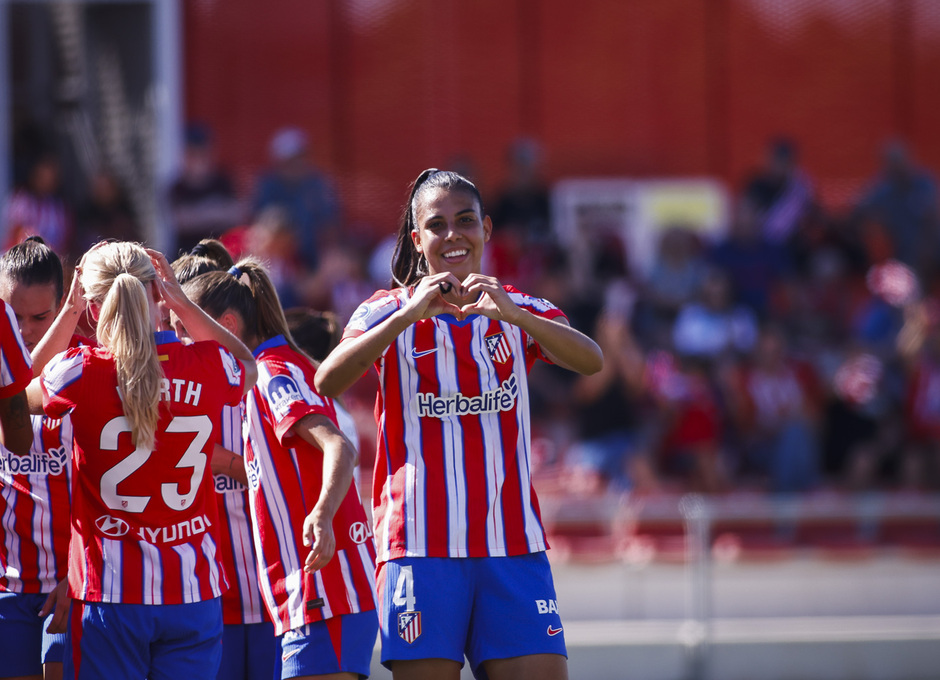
386 88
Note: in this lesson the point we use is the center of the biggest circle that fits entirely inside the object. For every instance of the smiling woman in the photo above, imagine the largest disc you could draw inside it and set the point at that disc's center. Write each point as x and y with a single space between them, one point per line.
453 348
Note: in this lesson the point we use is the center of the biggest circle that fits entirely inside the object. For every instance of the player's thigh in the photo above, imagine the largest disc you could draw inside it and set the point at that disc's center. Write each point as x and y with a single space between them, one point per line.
426 669
20 635
533 666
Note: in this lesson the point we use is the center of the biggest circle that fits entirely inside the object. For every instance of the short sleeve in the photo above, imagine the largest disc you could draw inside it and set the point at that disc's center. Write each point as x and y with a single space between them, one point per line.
288 395
16 367
539 307
60 381
372 312
234 377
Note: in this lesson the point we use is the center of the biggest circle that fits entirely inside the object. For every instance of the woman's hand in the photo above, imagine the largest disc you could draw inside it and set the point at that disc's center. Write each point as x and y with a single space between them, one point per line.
170 290
490 299
428 299
318 536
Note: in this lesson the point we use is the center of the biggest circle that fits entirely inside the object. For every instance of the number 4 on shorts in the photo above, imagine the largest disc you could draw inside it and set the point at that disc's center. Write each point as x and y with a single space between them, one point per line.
405 589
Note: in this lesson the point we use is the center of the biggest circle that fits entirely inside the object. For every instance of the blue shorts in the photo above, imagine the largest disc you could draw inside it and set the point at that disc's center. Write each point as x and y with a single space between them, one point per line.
342 644
154 641
24 643
484 608
249 652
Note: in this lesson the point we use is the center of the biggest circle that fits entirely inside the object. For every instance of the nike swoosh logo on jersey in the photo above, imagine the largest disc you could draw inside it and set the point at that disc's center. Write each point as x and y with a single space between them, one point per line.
289 655
554 631
415 354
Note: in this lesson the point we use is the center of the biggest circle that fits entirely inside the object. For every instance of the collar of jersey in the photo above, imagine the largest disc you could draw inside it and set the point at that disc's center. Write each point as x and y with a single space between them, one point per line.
452 320
276 341
163 337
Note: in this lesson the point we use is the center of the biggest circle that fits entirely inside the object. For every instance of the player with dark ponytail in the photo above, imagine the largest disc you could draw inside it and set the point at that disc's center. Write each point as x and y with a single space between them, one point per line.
315 551
459 540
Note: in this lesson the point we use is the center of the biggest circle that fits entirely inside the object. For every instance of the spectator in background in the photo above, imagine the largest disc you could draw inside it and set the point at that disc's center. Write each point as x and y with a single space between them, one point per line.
904 199
919 346
713 326
295 185
38 209
860 436
688 428
781 192
107 214
201 200
523 204
675 279
775 405
522 230
754 266
611 450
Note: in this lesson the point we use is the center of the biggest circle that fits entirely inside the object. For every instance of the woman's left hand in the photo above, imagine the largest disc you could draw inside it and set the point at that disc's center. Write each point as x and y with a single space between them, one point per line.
492 300
170 289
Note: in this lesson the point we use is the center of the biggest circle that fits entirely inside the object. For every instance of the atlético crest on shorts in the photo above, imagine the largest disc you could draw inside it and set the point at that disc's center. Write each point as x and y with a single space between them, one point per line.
498 347
409 626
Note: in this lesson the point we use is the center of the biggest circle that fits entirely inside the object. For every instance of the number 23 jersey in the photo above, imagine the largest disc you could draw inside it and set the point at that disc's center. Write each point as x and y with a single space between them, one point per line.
144 522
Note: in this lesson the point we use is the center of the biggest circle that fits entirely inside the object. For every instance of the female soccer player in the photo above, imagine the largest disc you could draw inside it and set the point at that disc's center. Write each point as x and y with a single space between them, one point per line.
462 568
315 551
250 650
34 489
144 569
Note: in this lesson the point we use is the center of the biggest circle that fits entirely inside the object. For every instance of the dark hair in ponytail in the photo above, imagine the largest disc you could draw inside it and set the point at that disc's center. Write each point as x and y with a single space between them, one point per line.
408 265
208 255
247 290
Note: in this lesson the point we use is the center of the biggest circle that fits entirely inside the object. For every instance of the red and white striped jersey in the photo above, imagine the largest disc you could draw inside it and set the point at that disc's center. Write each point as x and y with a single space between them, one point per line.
35 505
16 366
285 475
452 471
144 522
241 603
35 500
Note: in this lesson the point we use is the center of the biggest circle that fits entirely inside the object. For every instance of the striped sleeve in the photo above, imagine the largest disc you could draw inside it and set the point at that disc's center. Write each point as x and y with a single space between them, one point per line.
58 377
288 395
16 367
373 311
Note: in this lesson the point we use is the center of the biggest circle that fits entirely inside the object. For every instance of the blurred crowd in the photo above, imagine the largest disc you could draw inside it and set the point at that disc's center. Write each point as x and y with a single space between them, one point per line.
799 350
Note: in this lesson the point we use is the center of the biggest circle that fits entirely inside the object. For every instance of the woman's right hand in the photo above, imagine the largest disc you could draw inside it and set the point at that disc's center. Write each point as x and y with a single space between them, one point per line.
428 300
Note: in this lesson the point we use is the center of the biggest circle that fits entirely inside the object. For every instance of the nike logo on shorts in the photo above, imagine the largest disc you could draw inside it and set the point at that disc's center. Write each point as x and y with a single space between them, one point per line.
554 631
291 653
415 354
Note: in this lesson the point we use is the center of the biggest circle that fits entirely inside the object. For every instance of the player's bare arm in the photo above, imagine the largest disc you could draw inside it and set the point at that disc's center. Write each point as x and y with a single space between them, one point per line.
339 465
16 429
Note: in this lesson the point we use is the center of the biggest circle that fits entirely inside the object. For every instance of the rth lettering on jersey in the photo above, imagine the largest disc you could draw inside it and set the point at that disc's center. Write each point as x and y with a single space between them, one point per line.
547 606
173 390
503 398
115 527
50 462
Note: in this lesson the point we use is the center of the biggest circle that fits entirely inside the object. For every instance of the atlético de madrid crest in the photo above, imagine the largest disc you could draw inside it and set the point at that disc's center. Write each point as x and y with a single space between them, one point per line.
409 626
498 347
